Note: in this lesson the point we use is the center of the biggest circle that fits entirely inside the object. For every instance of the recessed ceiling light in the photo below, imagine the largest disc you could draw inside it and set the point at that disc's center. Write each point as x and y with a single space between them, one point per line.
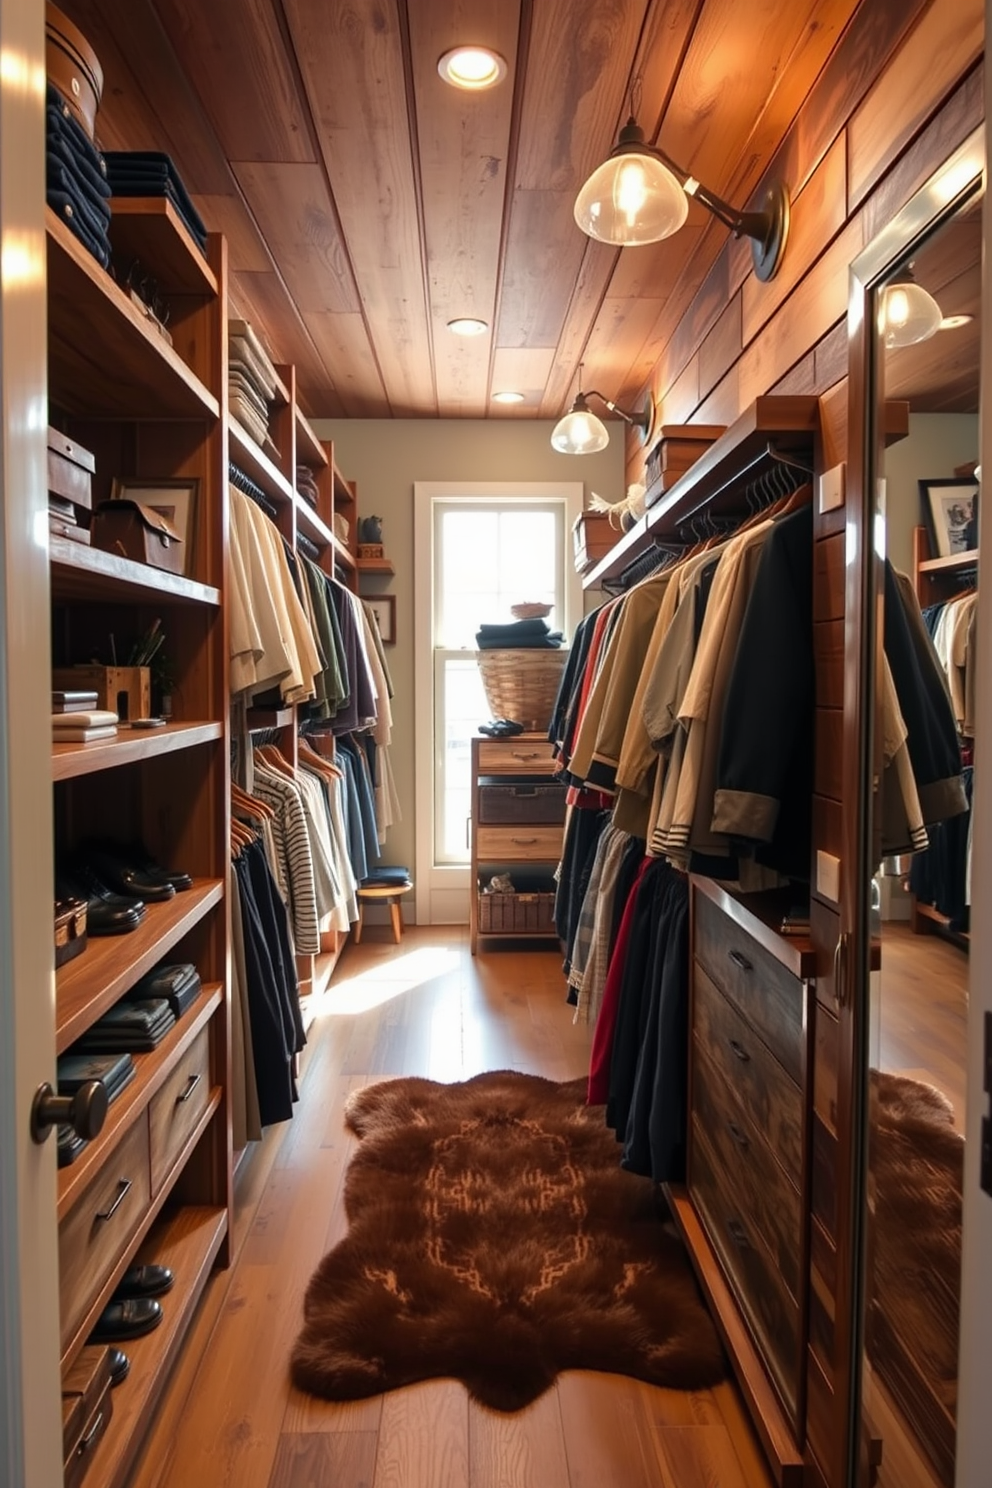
467 325
472 67
951 322
508 397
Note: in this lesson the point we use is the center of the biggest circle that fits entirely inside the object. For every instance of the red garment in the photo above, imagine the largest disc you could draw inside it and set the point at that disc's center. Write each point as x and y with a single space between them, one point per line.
602 1039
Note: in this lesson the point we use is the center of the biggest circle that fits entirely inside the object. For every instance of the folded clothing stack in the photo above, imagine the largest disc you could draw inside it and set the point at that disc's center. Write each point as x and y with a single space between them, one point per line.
152 173
76 178
532 635
252 379
386 874
178 985
137 1026
83 725
306 484
114 1071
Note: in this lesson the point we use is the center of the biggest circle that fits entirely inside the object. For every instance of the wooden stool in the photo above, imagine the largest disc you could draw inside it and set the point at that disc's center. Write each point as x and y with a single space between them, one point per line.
390 894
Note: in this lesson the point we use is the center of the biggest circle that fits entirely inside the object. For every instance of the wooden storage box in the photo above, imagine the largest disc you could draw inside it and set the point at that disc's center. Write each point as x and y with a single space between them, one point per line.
137 531
521 802
676 451
70 470
73 67
370 550
87 1407
592 539
521 913
126 691
70 929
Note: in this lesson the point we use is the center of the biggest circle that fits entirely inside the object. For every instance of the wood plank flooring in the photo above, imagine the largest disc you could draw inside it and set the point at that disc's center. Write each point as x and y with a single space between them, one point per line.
923 1022
231 1418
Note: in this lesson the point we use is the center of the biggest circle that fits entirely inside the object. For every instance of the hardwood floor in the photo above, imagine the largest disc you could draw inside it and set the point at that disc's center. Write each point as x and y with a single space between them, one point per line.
230 1417
923 1023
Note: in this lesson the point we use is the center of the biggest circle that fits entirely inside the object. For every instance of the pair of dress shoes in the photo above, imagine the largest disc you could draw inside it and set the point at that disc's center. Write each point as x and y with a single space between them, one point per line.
107 913
133 1311
117 882
501 728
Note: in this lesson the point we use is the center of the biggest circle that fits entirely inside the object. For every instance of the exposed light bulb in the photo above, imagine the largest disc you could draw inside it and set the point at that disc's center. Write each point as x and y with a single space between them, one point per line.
630 191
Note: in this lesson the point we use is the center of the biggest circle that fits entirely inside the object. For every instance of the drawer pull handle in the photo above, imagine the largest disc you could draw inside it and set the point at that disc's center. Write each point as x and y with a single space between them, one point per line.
738 1234
191 1085
521 756
524 841
740 1137
739 1051
87 1441
740 960
123 1189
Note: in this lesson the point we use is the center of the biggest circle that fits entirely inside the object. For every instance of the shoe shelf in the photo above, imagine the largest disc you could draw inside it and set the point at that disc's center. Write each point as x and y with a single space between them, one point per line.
69 761
149 229
151 1068
253 460
80 572
113 363
91 983
309 450
187 1242
87 1323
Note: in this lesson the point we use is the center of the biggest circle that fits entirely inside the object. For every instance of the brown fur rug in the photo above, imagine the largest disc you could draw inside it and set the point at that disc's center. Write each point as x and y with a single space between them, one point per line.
494 1238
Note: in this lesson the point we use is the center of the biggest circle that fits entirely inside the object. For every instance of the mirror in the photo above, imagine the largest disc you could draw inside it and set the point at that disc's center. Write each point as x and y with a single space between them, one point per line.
925 326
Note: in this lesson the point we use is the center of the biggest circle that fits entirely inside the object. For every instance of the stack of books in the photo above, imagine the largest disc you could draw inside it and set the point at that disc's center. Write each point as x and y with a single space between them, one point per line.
135 1026
76 719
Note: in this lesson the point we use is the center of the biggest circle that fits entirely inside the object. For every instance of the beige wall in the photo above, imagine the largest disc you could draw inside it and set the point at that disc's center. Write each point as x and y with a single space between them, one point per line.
384 457
937 443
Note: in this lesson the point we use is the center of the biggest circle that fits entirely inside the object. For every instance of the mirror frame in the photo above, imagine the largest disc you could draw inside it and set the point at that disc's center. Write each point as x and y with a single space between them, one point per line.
960 178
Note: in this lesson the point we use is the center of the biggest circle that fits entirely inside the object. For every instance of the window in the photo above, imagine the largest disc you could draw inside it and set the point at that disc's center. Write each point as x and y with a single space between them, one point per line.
490 548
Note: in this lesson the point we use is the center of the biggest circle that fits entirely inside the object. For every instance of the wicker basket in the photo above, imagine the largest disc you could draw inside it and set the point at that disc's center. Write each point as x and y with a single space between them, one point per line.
521 684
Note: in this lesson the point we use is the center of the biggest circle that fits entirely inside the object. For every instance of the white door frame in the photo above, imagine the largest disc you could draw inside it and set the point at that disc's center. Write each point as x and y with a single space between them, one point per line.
442 892
30 1401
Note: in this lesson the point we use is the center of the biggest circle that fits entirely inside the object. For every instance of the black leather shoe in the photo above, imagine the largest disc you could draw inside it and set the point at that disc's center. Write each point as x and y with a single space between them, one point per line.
106 913
144 1281
123 877
120 1366
120 1321
137 854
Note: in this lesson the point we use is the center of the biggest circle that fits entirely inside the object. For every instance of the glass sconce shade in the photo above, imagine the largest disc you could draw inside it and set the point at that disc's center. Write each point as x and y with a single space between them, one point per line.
631 198
907 314
580 432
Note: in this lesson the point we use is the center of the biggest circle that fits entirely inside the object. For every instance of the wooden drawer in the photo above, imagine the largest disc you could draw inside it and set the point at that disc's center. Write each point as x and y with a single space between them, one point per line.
521 843
178 1106
765 991
758 1081
101 1224
517 757
764 1196
770 1311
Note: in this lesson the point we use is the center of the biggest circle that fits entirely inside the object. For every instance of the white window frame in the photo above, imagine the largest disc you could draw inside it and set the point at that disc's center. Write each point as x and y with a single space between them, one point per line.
442 890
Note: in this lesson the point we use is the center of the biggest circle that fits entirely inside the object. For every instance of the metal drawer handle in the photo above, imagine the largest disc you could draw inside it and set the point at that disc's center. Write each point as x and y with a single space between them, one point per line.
524 841
191 1085
87 1441
740 1137
123 1189
740 1051
518 755
738 1234
740 960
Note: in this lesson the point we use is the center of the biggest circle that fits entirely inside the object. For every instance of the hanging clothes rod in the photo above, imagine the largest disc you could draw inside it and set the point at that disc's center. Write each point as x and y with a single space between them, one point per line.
748 481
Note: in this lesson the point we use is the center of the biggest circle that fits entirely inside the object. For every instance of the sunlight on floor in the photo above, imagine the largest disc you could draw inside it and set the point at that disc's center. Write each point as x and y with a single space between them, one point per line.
381 984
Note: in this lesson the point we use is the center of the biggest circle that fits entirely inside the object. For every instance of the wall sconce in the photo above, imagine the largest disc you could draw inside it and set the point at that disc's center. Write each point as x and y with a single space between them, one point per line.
580 432
636 197
907 313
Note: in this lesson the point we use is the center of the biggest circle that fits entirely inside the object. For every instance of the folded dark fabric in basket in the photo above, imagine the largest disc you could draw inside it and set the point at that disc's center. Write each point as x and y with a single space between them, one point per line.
152 173
534 627
178 983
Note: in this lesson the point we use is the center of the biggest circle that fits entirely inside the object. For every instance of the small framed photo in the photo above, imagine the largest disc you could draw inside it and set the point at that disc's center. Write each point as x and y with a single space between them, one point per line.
950 514
383 607
173 499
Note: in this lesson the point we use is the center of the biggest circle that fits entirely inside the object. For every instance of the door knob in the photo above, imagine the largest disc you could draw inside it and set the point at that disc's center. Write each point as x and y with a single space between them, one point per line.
85 1111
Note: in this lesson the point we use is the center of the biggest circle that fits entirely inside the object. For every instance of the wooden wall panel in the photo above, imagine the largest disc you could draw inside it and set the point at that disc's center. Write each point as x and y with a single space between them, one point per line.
829 740
829 579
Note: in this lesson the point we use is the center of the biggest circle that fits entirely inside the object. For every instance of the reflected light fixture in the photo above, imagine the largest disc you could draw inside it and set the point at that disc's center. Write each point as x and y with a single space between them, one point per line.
638 195
467 325
580 432
472 67
954 322
907 314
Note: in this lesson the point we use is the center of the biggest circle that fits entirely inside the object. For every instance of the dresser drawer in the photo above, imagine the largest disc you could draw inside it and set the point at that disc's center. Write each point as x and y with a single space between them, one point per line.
520 843
101 1224
744 1065
770 1311
768 995
762 1192
517 757
524 802
178 1106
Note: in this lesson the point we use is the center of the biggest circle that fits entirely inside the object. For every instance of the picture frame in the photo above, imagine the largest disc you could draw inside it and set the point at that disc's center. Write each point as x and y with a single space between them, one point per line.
950 515
383 607
174 500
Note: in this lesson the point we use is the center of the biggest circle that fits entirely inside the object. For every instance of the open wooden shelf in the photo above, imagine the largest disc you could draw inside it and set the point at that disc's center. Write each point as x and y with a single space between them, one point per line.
246 454
152 1068
91 983
187 1242
951 564
114 363
375 566
309 450
149 229
270 718
69 761
312 525
82 572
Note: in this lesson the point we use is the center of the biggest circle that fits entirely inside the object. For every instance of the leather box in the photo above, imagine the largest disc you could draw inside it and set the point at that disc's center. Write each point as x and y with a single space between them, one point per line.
73 67
676 451
592 539
70 470
86 1411
132 529
70 929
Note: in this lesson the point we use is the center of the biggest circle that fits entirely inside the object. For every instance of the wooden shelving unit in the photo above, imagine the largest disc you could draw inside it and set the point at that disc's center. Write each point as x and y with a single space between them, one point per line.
82 572
129 746
149 228
375 566
260 466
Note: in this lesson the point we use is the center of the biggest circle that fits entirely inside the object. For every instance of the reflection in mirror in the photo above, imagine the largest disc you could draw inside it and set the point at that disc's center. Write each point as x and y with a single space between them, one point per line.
928 325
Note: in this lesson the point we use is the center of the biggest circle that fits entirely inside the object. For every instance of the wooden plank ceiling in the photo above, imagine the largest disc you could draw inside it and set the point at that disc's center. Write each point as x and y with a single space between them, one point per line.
367 203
